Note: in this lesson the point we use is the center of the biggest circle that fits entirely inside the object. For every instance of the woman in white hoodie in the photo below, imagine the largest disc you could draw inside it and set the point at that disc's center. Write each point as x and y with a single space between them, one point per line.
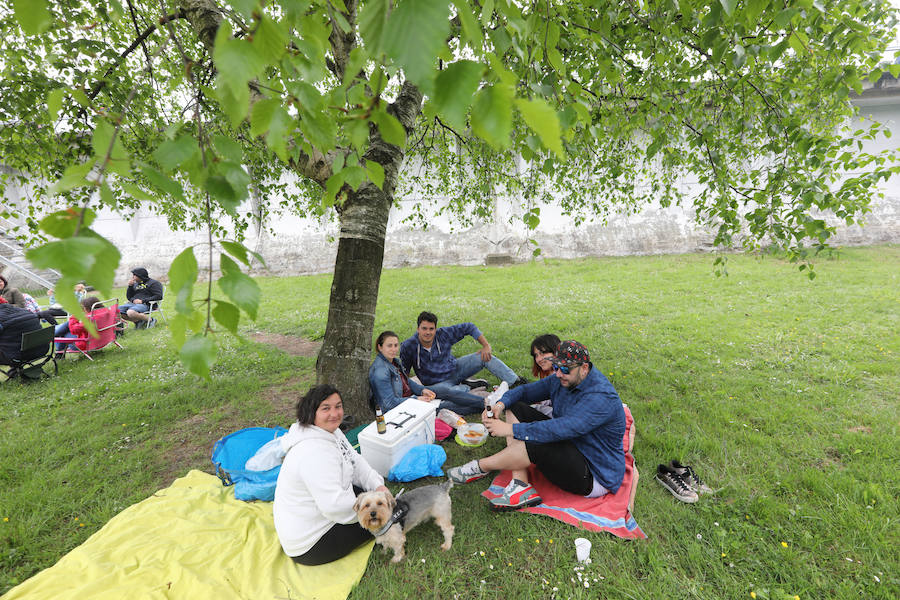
318 483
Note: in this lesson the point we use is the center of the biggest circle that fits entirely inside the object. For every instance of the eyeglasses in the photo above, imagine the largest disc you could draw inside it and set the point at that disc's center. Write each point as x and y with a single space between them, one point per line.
565 369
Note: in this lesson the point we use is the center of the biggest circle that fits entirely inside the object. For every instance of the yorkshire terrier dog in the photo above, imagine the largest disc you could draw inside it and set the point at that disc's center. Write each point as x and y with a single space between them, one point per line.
389 519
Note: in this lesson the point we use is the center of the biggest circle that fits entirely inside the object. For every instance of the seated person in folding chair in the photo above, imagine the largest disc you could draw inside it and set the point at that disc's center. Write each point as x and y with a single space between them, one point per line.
141 291
14 321
76 329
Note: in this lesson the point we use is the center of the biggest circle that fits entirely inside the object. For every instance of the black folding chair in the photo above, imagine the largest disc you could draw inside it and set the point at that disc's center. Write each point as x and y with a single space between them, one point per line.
36 351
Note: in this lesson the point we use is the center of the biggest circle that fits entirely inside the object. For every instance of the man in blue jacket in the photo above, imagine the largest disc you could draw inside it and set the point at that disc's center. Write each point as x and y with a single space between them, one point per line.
429 353
579 448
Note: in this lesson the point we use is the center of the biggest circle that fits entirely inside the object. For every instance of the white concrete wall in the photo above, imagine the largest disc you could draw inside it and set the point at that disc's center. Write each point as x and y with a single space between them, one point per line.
306 245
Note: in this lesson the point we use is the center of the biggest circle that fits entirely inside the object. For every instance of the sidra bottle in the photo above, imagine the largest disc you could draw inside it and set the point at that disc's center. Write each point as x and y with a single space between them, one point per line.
379 420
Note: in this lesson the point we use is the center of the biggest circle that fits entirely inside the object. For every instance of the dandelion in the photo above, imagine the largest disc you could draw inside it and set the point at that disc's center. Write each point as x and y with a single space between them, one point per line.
784 544
537 541
76 518
796 597
518 539
481 552
550 541
723 555
747 517
753 594
81 524
508 564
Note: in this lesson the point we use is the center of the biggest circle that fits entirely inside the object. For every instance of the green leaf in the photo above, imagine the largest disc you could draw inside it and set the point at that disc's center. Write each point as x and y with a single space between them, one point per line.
63 223
228 148
373 20
236 250
487 13
103 136
416 33
454 88
390 128
32 15
753 9
739 57
261 115
244 7
728 5
270 40
54 102
182 275
470 28
375 172
173 153
74 176
542 119
163 183
198 354
237 61
135 192
491 115
235 103
239 287
783 18
227 315
219 188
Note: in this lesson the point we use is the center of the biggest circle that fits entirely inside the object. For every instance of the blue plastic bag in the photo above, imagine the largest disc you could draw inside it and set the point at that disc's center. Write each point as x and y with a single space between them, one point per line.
421 461
230 455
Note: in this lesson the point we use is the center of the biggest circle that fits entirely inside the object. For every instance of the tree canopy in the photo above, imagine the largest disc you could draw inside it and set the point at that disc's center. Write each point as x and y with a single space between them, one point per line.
189 106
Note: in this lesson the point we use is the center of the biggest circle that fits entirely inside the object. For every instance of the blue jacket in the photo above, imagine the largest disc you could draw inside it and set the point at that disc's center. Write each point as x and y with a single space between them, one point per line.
590 415
438 364
384 379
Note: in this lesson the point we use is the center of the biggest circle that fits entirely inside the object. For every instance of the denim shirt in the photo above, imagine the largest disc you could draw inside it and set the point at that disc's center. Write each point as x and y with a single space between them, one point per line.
384 379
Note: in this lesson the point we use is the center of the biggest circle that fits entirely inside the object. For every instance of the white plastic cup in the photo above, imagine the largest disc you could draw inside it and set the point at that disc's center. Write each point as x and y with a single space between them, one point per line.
582 549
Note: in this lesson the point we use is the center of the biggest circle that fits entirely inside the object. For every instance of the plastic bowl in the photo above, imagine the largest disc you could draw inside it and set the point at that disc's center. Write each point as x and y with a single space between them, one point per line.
471 435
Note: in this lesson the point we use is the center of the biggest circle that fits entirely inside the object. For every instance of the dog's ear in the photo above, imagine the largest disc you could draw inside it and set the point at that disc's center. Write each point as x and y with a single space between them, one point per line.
389 498
358 503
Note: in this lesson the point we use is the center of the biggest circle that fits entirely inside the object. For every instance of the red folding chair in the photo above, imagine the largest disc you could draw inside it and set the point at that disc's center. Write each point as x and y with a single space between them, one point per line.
105 320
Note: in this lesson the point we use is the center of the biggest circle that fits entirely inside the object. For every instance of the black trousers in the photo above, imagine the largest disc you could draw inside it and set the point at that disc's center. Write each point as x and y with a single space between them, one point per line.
338 542
560 462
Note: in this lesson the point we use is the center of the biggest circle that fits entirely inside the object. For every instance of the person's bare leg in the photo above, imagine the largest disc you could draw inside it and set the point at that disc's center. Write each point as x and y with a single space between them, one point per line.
513 457
136 316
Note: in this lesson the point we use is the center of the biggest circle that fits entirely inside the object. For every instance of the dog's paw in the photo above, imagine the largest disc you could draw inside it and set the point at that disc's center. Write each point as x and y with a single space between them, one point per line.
397 558
446 545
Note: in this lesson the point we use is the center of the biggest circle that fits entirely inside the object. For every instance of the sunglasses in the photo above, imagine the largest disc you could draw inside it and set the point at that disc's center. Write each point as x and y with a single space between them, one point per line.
565 369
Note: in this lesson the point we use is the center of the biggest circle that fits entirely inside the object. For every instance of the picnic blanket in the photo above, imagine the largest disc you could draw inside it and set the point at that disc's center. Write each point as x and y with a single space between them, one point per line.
190 540
608 513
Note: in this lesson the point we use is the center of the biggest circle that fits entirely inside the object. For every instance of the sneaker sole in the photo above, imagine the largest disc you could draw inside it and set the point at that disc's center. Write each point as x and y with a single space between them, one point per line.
533 501
685 499
469 480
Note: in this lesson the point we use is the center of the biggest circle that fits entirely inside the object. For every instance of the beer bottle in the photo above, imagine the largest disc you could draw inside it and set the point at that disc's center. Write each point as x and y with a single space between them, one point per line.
379 420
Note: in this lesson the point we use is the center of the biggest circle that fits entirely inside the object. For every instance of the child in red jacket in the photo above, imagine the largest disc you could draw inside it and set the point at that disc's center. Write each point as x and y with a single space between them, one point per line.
77 328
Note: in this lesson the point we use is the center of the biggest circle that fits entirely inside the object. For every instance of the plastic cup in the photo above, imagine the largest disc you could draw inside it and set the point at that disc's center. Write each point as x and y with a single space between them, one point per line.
582 549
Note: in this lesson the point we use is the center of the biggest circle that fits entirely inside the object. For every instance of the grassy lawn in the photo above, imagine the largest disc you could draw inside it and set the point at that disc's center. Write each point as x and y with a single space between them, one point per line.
780 391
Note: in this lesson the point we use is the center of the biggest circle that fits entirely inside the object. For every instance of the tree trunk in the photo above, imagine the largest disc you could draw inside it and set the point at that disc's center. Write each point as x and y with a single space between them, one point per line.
347 349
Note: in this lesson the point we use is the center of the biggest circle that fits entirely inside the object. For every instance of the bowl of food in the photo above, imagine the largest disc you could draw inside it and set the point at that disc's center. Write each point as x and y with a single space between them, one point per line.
471 434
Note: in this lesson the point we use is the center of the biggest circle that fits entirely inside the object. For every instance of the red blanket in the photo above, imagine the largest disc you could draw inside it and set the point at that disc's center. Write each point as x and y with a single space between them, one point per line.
607 513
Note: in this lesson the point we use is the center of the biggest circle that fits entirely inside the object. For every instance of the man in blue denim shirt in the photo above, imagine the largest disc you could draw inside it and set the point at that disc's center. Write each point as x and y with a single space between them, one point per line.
429 353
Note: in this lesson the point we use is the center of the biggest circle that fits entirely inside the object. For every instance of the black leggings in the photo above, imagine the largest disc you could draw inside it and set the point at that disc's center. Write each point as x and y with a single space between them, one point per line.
560 462
338 542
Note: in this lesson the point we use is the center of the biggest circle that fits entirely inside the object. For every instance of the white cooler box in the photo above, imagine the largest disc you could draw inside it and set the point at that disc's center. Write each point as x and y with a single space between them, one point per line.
409 424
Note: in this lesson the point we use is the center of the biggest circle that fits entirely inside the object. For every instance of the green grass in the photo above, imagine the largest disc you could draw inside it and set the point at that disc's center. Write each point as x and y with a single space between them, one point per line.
782 392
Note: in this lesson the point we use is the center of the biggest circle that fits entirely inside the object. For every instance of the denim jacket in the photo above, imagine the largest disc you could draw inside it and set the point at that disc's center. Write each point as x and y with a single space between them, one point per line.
384 378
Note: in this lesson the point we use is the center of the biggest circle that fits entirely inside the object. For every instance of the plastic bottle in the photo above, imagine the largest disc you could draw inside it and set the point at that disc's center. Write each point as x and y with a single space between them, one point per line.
493 397
379 420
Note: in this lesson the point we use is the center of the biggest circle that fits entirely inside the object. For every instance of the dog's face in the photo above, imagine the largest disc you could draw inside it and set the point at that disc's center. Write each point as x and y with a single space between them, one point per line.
373 509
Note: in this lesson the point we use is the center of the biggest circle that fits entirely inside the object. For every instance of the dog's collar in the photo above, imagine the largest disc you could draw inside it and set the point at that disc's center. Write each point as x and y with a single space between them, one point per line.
398 516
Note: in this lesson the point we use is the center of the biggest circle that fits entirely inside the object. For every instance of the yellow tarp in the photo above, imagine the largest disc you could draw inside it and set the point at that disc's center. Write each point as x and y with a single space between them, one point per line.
192 540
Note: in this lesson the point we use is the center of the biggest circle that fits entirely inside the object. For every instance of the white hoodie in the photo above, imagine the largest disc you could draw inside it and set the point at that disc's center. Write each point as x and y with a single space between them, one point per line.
315 486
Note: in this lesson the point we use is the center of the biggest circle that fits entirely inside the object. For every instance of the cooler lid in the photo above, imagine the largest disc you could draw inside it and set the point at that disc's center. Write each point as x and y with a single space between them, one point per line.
399 420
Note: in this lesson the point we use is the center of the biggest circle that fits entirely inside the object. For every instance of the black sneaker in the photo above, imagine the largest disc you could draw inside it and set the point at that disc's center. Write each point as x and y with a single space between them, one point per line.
140 325
673 482
474 384
691 479
518 382
151 323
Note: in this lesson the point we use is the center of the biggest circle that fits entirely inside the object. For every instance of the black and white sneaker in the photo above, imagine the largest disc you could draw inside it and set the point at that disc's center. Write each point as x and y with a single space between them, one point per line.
673 482
474 384
151 323
691 479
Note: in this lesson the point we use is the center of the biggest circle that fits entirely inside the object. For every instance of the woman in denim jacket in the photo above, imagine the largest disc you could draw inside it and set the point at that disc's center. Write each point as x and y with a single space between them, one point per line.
390 385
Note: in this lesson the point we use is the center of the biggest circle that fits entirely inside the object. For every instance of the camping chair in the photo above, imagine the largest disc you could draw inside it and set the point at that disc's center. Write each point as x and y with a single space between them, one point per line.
105 320
37 350
156 307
